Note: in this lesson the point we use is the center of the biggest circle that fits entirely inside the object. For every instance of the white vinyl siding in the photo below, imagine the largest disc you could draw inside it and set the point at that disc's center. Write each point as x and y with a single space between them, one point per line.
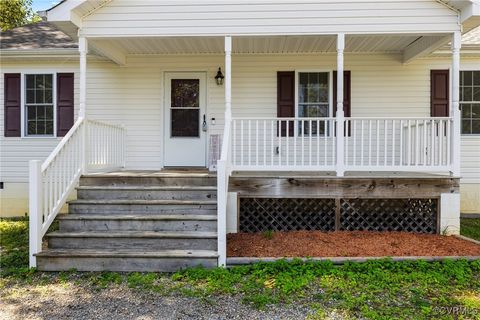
152 18
133 95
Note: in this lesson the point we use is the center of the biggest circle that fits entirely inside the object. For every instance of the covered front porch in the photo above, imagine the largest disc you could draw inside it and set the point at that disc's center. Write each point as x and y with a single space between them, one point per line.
280 104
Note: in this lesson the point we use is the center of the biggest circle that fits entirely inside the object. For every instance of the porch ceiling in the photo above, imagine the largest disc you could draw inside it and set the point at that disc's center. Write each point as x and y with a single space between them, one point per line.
259 45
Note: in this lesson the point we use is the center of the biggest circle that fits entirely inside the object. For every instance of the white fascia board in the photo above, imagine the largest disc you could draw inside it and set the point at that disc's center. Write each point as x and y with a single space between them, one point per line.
38 52
64 12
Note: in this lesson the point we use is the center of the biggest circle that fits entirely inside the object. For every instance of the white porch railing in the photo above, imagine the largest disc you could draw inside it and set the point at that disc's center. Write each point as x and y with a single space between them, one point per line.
283 144
370 144
398 144
88 145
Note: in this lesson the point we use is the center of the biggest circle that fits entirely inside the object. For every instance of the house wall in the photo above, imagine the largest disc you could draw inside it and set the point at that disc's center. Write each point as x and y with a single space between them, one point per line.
133 95
16 152
137 18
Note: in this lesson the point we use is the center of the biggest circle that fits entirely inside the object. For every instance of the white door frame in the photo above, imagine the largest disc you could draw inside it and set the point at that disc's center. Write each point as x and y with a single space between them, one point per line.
196 159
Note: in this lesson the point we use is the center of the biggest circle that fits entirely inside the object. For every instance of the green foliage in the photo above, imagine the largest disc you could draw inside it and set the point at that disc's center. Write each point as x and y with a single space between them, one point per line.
15 13
141 281
104 279
13 246
470 228
377 289
268 234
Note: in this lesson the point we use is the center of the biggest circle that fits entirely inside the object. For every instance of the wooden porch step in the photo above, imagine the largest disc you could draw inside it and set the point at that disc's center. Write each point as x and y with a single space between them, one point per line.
141 240
150 179
137 217
129 206
124 260
149 188
147 192
94 222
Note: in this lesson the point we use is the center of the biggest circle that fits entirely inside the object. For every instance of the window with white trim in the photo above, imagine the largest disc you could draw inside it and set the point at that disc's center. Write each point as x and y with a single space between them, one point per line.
39 105
470 101
313 100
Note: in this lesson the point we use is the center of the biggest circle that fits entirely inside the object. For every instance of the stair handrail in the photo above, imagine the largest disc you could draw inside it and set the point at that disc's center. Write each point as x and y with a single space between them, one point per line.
52 181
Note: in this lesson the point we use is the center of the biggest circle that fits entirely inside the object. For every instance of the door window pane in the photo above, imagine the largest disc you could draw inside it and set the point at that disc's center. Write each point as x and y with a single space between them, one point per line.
185 123
185 108
185 93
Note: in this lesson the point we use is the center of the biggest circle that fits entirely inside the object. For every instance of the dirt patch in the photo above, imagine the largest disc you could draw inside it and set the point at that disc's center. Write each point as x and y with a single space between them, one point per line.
347 244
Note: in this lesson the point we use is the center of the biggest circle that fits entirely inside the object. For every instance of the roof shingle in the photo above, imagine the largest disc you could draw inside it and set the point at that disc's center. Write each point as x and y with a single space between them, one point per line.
41 35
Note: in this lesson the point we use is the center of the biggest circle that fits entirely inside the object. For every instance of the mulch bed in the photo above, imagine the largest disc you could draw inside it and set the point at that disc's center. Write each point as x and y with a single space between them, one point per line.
347 244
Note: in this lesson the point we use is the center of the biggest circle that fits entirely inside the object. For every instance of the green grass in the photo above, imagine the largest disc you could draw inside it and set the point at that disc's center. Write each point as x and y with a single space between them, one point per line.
13 245
470 228
374 290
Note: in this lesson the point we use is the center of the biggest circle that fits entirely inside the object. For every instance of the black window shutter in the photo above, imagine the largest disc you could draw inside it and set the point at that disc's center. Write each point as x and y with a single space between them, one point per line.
286 99
65 103
347 95
12 105
439 93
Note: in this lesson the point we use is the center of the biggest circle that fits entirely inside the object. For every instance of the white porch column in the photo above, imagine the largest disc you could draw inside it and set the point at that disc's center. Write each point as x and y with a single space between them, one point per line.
228 78
83 49
455 105
223 165
340 114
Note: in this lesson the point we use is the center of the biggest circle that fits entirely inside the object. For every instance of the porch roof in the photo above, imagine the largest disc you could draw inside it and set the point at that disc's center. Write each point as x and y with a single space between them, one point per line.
258 44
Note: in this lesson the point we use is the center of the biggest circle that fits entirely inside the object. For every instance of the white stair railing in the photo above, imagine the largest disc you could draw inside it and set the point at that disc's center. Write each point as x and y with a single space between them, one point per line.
87 145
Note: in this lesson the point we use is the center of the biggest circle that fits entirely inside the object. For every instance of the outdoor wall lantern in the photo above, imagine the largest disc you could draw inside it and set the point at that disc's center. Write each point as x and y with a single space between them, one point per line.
219 77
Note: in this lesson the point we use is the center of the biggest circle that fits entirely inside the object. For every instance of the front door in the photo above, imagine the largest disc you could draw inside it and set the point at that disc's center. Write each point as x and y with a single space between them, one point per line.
185 112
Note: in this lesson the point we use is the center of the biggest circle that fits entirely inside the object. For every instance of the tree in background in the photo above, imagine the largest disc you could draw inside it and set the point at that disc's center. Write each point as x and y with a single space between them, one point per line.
15 13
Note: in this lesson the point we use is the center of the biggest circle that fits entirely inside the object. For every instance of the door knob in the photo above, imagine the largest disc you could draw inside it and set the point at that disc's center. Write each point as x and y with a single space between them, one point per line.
204 124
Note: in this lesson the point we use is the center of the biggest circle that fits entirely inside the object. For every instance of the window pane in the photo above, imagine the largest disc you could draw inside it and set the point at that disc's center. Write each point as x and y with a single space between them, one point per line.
39 81
30 81
313 111
476 78
475 113
467 78
466 111
476 93
31 113
30 96
49 128
467 94
40 127
41 113
49 113
32 128
185 123
313 87
475 126
185 93
39 96
48 81
48 96
466 125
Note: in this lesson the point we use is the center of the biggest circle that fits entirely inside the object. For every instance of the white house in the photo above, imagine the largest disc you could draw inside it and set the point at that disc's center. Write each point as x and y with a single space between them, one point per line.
249 91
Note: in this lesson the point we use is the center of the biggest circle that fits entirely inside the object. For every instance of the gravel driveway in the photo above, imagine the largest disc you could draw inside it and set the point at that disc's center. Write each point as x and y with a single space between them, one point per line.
71 301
